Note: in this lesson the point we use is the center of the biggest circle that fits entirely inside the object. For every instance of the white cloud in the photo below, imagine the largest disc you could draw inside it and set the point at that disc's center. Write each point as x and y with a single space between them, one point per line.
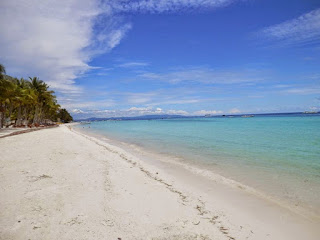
77 111
177 112
156 6
205 112
136 111
205 75
140 109
55 40
303 30
234 111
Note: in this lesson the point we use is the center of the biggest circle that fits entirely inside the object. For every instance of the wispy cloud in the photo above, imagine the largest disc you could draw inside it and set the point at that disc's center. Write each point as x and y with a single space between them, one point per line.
133 64
156 6
177 112
305 90
181 98
205 112
159 98
176 101
140 98
206 75
84 104
303 30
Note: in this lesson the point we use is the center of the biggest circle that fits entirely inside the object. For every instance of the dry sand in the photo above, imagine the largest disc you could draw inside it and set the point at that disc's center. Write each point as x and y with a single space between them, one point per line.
61 184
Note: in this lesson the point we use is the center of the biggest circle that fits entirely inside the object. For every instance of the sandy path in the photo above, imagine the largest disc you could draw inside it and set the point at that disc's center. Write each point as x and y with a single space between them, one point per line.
59 184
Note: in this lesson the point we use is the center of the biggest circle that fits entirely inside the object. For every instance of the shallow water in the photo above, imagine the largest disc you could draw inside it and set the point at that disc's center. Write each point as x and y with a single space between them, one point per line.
278 155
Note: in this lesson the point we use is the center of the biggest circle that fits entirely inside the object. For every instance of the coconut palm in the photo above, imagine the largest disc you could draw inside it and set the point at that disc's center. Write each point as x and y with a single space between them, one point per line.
7 93
43 96
24 101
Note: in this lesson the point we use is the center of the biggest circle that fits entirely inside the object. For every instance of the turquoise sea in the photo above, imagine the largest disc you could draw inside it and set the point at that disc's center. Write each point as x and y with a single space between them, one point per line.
278 155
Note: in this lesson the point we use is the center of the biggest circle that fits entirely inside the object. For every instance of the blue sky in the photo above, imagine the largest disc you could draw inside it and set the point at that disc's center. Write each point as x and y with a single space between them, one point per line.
127 58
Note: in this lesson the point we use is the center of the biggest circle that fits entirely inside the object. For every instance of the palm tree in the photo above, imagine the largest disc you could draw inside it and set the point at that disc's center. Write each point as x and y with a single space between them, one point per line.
30 101
23 100
2 71
40 89
46 99
7 93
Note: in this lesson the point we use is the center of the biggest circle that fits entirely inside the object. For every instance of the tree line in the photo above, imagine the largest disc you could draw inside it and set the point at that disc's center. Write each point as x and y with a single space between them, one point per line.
28 102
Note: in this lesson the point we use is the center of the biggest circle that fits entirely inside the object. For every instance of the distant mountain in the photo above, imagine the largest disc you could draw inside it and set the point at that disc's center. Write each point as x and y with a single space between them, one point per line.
145 117
167 116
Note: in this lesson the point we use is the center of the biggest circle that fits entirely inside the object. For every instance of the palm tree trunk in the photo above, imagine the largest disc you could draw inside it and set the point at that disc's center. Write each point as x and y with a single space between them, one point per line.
1 119
19 119
1 115
35 115
40 116
25 116
10 112
39 119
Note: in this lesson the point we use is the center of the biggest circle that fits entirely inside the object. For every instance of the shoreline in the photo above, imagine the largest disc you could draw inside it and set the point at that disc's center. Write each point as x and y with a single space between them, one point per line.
183 171
63 181
200 169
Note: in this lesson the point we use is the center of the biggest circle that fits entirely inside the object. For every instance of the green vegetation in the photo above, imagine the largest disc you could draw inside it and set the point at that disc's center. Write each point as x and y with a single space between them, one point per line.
64 115
28 102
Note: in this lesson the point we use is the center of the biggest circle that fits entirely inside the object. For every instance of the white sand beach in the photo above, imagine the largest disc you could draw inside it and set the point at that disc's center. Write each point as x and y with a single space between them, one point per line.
61 184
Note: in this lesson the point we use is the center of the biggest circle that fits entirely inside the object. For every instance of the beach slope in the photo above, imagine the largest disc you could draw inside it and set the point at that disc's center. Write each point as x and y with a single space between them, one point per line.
60 184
